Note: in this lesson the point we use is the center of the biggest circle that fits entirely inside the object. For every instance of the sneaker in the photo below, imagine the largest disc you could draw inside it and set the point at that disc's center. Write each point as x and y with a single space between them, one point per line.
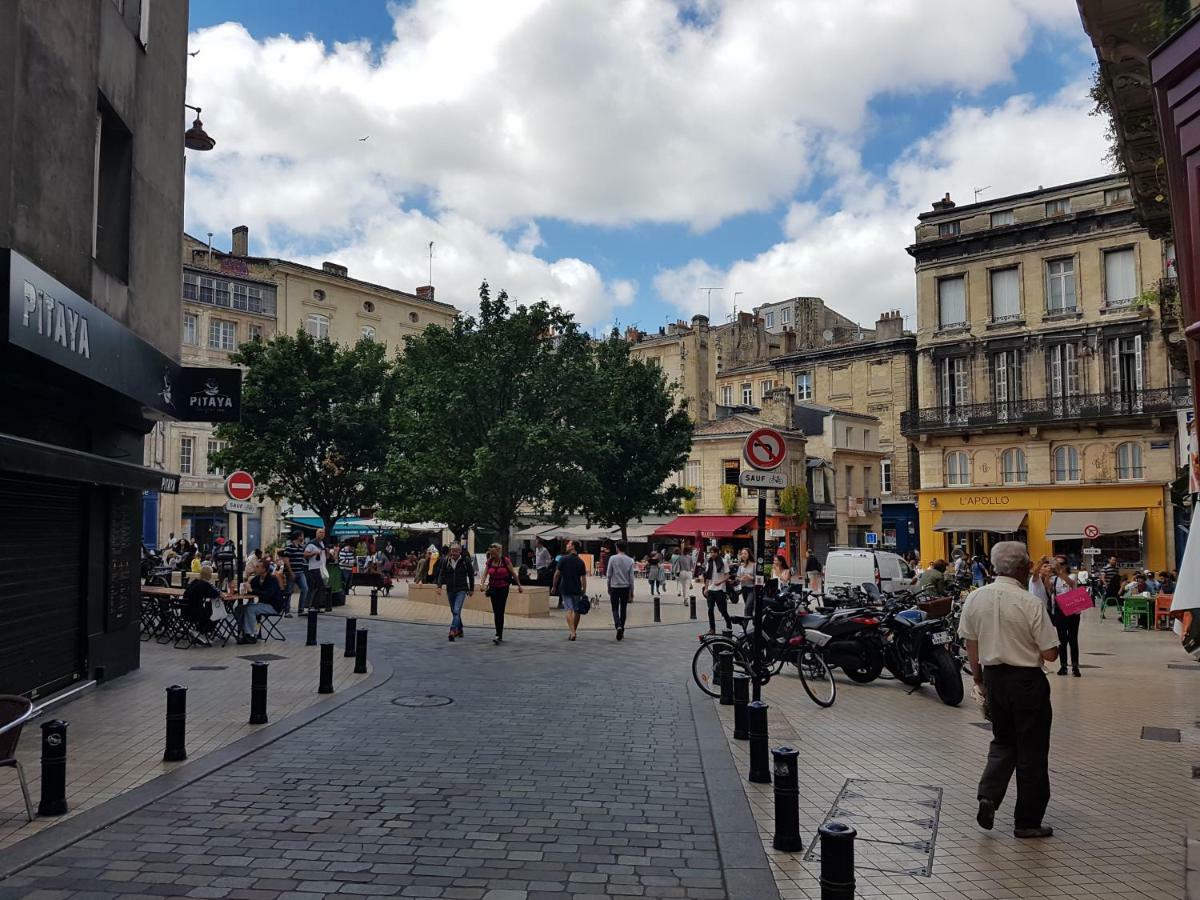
986 817
1041 831
620 634
1075 671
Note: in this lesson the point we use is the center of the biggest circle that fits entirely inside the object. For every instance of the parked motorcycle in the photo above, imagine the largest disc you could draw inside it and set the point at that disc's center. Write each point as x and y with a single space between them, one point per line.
917 650
855 645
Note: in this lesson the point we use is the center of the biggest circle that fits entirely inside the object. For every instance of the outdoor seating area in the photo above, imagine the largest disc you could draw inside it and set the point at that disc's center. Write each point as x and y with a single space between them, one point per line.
162 620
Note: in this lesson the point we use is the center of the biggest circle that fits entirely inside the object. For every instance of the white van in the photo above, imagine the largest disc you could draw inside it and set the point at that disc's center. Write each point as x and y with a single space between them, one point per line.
853 567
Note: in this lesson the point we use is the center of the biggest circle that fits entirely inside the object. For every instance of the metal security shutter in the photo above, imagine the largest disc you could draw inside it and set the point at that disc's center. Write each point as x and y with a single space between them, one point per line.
41 584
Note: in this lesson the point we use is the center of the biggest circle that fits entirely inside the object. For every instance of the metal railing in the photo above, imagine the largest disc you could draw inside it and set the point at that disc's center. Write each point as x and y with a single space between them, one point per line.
1085 407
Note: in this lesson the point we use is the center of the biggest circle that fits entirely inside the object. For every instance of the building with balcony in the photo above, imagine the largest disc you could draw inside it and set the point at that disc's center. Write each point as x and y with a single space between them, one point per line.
1048 378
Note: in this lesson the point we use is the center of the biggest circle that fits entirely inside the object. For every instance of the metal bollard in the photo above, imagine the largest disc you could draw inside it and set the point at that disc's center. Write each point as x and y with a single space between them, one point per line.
657 609
725 673
258 693
360 653
325 686
692 607
176 724
787 800
760 763
351 627
374 601
312 628
741 697
837 861
54 769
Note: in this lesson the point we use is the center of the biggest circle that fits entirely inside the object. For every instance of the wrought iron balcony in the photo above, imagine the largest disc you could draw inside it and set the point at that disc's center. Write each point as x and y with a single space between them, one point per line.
1080 409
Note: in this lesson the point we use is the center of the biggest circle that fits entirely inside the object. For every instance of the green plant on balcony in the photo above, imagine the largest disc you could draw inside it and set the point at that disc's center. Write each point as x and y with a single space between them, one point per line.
729 498
1147 299
793 501
688 503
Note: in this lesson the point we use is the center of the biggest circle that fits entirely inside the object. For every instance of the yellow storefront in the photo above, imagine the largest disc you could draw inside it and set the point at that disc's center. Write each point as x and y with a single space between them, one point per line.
1134 521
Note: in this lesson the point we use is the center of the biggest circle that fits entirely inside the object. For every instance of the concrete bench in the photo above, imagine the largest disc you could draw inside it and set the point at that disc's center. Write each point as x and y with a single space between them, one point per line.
533 601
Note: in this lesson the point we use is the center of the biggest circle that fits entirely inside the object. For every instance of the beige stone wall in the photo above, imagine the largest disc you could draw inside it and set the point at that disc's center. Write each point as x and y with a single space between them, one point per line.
711 453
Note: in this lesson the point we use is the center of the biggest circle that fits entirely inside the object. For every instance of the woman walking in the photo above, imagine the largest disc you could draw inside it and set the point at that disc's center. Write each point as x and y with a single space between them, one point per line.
497 578
716 576
745 579
653 571
1050 579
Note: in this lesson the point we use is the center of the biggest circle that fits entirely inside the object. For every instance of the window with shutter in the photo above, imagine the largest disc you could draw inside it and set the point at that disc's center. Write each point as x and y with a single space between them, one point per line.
1120 283
1006 295
952 301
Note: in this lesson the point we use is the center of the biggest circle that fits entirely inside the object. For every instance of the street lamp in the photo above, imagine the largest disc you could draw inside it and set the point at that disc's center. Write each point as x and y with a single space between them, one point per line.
196 138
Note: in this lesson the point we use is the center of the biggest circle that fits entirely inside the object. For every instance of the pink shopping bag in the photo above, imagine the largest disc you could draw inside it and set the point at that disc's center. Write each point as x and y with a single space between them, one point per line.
1074 601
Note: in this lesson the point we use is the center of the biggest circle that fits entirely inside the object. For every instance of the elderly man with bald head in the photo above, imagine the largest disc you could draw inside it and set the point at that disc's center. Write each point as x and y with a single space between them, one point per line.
1009 635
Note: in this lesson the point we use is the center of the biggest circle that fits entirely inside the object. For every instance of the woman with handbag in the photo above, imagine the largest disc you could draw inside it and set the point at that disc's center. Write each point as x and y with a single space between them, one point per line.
1049 581
498 576
716 578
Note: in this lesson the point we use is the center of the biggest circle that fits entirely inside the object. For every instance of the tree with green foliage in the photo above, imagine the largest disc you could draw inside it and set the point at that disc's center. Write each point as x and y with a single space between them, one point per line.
314 425
636 439
488 421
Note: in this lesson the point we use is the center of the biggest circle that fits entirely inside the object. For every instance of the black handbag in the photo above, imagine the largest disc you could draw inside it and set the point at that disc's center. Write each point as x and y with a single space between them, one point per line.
583 605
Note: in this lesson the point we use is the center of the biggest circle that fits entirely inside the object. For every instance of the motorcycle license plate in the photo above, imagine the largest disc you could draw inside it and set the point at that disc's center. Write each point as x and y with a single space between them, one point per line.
941 637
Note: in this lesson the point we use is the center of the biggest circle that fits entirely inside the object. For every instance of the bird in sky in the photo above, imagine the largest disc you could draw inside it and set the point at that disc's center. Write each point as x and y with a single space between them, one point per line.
194 53
361 139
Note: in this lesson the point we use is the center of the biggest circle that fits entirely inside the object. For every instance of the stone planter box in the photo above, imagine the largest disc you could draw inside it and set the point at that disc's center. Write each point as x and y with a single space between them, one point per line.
534 601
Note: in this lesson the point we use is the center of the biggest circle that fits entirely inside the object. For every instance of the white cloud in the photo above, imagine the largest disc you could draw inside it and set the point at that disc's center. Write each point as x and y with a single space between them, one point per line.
850 249
493 115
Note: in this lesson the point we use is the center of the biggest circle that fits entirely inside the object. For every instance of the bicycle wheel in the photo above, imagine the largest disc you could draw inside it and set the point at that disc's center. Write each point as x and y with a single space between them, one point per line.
705 665
815 676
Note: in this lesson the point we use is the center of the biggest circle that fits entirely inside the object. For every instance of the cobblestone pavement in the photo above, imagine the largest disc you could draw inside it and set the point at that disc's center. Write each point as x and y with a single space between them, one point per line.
397 607
115 739
559 770
1120 804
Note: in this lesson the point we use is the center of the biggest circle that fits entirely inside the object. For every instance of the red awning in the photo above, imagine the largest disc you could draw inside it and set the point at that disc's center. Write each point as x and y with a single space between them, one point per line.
705 526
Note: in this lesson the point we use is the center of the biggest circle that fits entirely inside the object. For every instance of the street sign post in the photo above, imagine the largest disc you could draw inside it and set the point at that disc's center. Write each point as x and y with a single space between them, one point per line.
1091 532
772 481
239 488
239 506
1091 551
765 449
872 538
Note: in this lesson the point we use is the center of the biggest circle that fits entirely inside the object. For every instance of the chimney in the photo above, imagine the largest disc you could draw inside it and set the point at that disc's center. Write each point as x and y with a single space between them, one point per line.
700 322
632 335
241 241
777 406
425 292
944 204
334 269
889 326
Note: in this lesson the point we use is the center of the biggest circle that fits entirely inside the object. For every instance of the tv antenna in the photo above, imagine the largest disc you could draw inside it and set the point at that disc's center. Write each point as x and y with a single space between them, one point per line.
979 191
431 263
710 290
735 296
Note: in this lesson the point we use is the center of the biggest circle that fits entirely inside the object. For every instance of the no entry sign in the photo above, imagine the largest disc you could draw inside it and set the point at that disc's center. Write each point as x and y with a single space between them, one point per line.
765 449
1091 532
239 485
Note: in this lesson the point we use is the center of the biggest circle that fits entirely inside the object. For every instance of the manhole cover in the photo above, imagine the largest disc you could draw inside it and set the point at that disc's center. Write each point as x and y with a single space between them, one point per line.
208 668
423 700
262 657
1153 733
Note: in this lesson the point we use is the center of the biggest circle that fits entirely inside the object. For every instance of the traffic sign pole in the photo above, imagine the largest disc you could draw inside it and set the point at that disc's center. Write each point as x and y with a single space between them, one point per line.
759 596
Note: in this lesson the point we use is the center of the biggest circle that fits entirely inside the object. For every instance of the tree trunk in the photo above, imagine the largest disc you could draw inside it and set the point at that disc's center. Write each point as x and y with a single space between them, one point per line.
625 532
329 520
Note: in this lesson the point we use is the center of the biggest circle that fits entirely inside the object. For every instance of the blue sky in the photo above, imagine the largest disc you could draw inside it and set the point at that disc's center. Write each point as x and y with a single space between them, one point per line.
620 208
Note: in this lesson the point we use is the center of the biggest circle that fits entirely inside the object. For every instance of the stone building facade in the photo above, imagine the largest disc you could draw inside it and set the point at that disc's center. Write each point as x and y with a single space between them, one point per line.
1048 375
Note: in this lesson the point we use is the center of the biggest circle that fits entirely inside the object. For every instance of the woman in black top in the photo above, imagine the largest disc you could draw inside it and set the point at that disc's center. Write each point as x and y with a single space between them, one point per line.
197 602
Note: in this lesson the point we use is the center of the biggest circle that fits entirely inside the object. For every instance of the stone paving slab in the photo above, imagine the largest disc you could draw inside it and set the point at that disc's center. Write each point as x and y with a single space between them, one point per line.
1120 805
116 734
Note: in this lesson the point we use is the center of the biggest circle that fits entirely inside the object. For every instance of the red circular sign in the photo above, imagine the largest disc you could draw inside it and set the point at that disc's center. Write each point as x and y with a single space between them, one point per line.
765 449
239 485
1091 532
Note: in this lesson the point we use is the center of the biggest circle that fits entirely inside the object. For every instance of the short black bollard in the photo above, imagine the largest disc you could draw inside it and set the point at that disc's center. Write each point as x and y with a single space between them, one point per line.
312 628
657 609
760 762
325 686
787 800
351 627
360 653
725 674
258 693
741 697
837 861
176 724
54 769
374 601
692 605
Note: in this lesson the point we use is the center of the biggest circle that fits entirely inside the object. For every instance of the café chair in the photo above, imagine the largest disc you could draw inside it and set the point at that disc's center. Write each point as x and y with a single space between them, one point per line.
14 709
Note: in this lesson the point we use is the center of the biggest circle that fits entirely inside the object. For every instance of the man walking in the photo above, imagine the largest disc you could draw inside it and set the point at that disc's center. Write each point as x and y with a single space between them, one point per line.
570 578
541 561
684 566
620 586
457 575
293 556
1009 634
346 561
1111 575
314 560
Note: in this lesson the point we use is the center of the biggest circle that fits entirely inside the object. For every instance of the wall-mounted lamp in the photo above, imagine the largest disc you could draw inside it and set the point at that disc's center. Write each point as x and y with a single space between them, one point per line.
196 138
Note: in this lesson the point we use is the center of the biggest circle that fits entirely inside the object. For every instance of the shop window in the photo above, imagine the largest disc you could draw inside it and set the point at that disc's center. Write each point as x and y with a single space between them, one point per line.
1129 461
111 198
958 469
1013 467
1066 464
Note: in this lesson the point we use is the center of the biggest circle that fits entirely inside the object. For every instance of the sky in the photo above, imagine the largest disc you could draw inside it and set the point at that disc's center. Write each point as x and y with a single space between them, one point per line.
616 156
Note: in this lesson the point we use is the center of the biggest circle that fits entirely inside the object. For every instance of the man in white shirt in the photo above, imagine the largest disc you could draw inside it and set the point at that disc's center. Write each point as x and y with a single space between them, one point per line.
620 586
1009 635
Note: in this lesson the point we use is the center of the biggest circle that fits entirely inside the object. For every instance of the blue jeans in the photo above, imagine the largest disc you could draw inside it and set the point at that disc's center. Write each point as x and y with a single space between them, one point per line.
250 614
301 583
456 604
